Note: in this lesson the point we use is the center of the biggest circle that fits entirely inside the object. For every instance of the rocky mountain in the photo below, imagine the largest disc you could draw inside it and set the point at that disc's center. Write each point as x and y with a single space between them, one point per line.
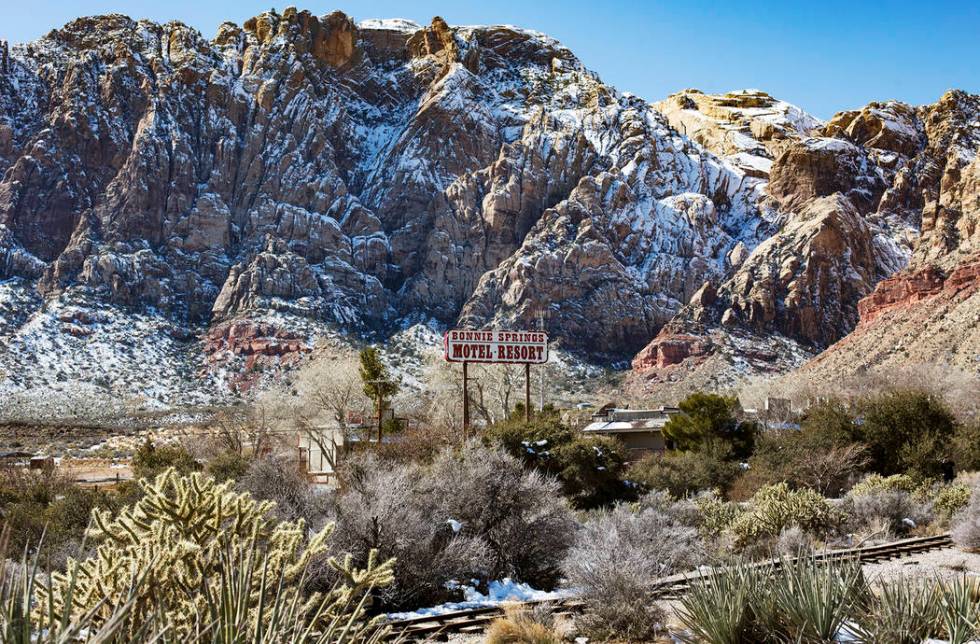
858 191
178 214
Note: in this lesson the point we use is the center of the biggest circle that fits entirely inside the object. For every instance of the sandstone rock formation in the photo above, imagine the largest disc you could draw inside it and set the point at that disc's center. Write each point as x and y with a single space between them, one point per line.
858 195
231 199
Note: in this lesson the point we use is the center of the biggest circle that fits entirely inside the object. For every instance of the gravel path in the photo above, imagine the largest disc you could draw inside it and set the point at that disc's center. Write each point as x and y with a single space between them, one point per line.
947 563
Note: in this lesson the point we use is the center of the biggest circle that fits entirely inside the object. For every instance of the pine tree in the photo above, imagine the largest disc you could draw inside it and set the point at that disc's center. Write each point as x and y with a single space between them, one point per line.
378 383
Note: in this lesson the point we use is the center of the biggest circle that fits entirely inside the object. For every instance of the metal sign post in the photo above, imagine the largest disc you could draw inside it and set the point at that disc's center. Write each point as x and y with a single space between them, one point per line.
495 347
466 402
527 392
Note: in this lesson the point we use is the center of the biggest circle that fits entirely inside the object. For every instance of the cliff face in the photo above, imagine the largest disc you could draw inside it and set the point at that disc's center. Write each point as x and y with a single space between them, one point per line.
858 193
215 205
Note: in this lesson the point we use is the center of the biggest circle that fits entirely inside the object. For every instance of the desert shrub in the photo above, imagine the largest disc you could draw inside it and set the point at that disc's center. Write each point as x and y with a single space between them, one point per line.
151 459
417 443
900 502
777 507
617 555
965 526
190 540
707 419
966 447
472 513
227 466
519 514
908 432
803 458
279 480
897 510
522 626
590 468
830 422
793 542
685 473
382 508
36 503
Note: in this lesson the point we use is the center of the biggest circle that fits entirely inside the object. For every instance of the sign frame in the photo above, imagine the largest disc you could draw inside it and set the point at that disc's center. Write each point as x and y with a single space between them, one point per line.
496 346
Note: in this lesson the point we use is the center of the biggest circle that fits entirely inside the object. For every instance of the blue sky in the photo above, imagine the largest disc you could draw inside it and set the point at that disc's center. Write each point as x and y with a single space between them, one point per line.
823 56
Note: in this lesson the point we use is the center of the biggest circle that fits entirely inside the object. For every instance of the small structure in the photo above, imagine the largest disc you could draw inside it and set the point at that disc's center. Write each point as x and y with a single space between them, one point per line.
640 430
319 449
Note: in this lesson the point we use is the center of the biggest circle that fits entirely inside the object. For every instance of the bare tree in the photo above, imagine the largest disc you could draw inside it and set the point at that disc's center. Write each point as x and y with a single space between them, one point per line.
243 430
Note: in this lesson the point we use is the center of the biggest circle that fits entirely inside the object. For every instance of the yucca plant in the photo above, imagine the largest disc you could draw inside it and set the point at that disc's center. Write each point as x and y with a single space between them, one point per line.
719 609
278 613
813 600
903 612
959 612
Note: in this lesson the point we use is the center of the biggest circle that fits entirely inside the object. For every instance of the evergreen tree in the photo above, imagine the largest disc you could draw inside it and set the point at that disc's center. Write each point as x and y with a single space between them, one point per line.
378 383
709 419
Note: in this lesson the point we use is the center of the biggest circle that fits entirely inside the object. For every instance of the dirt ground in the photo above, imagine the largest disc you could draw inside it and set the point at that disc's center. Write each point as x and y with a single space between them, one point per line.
947 564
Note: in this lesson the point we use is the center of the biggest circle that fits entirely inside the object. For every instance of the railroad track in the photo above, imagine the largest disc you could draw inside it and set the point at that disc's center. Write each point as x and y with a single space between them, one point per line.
475 620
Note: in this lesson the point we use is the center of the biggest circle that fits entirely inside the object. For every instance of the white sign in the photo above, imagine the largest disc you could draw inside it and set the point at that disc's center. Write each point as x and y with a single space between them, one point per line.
519 347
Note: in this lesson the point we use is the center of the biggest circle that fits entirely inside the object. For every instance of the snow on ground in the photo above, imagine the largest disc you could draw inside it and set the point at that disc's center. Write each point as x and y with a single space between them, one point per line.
499 592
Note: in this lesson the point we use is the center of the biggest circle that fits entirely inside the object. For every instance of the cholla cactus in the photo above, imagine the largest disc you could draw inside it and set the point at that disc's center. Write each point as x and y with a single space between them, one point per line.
776 507
168 554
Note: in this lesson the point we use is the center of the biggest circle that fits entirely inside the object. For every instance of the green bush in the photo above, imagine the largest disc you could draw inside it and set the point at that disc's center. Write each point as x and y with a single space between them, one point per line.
831 423
34 503
151 460
707 419
685 473
808 457
590 468
908 432
591 471
966 447
228 466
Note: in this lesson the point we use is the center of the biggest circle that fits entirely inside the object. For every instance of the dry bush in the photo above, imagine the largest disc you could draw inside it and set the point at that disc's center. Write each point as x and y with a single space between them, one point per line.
966 525
793 542
382 507
522 626
959 389
279 480
518 513
472 513
617 556
893 502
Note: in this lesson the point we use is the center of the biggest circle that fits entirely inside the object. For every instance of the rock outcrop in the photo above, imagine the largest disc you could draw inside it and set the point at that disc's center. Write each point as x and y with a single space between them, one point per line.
857 193
300 175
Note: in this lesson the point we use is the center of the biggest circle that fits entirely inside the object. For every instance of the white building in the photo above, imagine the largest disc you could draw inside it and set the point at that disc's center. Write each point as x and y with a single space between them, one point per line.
640 430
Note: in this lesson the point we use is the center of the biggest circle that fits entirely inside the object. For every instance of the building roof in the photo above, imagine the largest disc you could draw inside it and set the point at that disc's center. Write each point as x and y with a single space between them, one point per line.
626 426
